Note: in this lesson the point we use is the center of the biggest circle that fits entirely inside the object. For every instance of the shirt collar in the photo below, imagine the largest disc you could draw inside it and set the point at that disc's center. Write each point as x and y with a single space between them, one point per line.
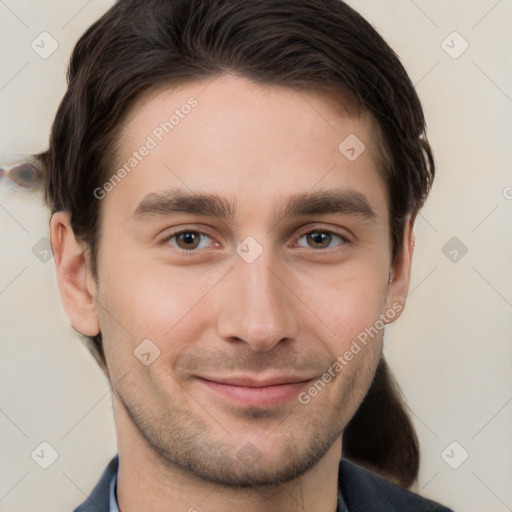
113 499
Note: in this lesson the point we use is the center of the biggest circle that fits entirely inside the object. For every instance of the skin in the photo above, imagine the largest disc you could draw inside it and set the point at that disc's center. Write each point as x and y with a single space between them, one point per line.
292 311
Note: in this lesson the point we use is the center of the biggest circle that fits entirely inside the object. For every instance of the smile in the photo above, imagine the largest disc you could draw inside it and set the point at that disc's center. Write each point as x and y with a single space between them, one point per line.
256 393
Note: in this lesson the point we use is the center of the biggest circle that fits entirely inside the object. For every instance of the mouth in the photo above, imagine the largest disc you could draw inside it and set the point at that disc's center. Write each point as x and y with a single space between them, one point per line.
253 392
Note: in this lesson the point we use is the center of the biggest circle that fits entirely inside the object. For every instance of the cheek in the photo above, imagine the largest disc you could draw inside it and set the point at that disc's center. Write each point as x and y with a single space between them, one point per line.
155 301
347 300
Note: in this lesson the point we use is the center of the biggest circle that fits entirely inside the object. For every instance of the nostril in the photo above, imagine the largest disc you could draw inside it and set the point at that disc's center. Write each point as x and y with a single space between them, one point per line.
24 175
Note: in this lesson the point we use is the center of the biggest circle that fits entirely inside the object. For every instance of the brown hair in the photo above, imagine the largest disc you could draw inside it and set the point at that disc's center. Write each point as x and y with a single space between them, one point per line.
381 436
318 45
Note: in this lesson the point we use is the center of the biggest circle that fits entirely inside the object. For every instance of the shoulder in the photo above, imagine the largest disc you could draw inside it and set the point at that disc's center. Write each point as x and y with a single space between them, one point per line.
364 491
99 499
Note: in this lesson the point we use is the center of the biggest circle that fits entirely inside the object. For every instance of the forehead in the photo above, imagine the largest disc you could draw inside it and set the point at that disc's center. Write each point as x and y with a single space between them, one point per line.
243 140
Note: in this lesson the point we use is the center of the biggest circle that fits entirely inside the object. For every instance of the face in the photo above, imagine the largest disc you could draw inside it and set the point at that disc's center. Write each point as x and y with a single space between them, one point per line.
240 257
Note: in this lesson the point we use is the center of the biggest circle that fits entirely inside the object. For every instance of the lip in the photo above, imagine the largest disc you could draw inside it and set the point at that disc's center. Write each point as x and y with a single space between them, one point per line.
250 391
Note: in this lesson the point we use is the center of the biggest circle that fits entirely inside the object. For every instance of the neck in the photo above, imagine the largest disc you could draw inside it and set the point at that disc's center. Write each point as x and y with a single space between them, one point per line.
147 482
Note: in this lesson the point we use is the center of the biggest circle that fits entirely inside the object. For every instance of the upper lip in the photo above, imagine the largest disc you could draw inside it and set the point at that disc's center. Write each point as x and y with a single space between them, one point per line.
255 382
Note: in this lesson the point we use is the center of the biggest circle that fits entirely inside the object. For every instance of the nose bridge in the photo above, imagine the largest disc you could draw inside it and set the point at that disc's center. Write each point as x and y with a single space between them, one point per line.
256 307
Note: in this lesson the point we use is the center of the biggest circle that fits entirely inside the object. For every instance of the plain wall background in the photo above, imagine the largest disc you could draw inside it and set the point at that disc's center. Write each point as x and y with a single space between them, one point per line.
451 350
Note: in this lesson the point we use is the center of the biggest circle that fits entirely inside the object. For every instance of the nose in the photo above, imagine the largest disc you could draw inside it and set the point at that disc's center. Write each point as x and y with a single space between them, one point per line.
256 306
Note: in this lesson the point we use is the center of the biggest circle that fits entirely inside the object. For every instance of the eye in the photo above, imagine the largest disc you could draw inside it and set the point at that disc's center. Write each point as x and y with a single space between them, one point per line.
188 240
319 239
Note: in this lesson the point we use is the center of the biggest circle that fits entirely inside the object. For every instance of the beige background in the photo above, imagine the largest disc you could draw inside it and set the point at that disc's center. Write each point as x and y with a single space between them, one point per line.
452 349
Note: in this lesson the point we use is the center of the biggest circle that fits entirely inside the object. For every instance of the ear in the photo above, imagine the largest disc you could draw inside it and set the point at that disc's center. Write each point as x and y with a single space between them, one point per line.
400 274
76 283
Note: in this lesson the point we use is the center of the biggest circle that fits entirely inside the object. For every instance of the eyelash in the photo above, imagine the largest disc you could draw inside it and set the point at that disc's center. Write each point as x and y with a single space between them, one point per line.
168 238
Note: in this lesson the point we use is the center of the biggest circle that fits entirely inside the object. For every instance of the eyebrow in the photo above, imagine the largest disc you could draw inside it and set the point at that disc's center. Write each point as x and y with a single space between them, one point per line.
178 200
319 202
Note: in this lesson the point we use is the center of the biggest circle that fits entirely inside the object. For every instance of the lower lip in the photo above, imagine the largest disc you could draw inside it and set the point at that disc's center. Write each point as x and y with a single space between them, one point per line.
266 396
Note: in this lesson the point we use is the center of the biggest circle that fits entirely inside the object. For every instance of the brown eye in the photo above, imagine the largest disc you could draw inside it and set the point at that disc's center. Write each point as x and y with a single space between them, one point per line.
321 240
188 240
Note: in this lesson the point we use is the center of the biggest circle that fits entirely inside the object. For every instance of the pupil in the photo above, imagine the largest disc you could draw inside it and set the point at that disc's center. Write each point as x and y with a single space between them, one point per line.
189 238
320 238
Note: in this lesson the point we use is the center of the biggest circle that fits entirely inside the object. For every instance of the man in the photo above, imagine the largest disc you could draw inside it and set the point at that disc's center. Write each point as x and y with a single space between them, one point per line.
233 188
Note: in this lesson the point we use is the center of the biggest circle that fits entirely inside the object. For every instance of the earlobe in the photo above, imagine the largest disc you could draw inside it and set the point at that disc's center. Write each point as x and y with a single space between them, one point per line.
400 273
76 284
